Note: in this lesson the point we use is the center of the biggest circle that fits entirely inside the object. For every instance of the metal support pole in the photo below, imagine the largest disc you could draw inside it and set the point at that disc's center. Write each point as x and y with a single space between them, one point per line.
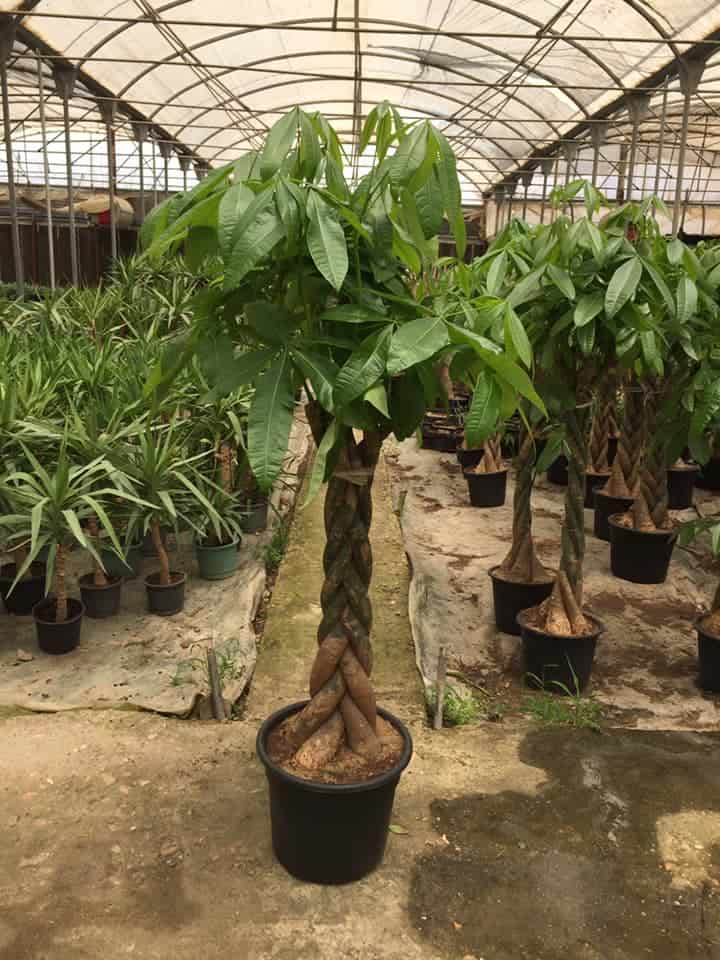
546 165
64 86
499 206
154 171
661 140
690 73
184 162
570 152
638 108
201 169
108 111
526 178
599 138
510 188
46 171
7 39
141 131
165 152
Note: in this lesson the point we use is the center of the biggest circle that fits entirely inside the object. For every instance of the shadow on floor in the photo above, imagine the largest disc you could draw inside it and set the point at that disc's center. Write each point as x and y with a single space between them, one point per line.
583 869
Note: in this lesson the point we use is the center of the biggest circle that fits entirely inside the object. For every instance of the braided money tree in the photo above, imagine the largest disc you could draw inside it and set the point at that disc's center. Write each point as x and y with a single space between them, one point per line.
317 291
670 329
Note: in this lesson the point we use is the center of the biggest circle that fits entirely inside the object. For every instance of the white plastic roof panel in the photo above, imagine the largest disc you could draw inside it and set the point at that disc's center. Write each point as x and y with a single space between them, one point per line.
504 80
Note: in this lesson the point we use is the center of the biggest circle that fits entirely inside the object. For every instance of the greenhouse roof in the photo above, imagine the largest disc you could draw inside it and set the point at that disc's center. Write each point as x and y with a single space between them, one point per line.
509 83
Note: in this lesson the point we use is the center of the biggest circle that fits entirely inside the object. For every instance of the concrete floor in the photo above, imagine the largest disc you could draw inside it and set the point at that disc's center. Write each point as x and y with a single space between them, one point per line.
131 835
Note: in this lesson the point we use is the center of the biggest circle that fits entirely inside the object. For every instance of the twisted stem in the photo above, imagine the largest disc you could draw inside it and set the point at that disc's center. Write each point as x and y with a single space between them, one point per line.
650 510
342 706
625 474
521 563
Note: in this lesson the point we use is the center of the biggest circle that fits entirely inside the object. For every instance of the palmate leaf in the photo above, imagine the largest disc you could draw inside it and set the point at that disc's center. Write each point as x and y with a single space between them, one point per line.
364 367
326 241
622 286
321 372
416 341
278 142
482 417
255 243
269 421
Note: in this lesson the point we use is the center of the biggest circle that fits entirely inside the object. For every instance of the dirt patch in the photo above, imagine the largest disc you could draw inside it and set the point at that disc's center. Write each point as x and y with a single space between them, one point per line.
661 613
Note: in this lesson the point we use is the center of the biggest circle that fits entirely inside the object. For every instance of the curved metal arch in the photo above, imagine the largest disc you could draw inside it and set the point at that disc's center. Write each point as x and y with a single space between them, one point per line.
405 84
427 113
486 48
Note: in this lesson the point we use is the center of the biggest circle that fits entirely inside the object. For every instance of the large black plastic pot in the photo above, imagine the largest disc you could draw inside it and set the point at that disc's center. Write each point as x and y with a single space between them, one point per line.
593 481
558 471
469 458
605 507
440 440
559 664
165 599
58 638
101 602
327 832
638 556
709 476
708 658
680 481
27 592
511 597
486 489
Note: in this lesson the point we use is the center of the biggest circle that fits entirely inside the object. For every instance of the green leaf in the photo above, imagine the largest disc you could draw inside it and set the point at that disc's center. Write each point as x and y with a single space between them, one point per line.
269 421
289 207
516 377
231 372
377 397
317 477
396 828
364 367
278 142
588 307
586 338
687 297
482 417
429 204
622 286
368 129
561 279
675 251
661 285
407 403
353 313
527 288
269 321
515 333
648 342
310 154
409 156
254 244
450 188
416 341
496 274
326 241
595 238
321 372
233 204
405 250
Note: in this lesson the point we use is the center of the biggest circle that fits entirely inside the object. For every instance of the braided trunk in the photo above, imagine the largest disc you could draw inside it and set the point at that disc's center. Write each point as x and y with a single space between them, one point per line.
342 705
521 565
602 423
492 457
625 473
650 510
562 613
161 552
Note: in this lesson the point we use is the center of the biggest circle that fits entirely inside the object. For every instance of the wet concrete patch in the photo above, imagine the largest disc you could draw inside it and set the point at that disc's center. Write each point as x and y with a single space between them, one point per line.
580 868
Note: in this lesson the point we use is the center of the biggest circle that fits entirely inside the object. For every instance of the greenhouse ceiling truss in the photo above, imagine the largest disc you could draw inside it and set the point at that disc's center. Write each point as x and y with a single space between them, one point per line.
132 96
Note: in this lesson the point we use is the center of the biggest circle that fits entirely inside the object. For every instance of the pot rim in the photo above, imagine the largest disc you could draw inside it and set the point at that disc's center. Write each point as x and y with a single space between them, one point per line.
521 583
331 789
52 623
486 473
596 634
166 586
610 496
696 625
220 546
86 584
669 534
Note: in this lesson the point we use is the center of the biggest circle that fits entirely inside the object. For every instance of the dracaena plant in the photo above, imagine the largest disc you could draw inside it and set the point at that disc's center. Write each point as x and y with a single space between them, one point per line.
317 293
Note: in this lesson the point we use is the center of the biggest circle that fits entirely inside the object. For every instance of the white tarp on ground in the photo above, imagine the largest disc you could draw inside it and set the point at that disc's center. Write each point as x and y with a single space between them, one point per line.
154 663
502 79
